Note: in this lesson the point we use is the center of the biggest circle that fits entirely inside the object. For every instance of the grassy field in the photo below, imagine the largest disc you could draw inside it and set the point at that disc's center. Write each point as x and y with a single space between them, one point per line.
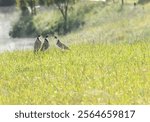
88 74
109 62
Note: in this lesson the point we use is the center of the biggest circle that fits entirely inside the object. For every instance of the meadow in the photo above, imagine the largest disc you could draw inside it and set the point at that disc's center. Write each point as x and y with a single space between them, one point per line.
109 62
88 74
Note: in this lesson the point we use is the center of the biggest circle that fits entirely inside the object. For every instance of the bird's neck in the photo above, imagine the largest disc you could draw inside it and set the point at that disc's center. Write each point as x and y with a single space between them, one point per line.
46 39
58 41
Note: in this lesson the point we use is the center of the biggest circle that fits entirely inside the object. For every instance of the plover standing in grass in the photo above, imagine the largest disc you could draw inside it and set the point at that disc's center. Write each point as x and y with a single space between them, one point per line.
60 44
37 44
45 45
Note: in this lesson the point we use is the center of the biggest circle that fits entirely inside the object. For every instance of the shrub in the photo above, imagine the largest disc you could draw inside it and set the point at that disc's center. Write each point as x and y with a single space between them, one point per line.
24 27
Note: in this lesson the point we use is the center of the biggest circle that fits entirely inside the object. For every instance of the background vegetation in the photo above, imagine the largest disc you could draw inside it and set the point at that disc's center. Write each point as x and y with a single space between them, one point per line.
56 20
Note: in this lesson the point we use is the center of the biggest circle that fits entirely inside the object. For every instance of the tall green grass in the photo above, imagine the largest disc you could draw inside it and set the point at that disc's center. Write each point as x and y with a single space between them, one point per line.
88 74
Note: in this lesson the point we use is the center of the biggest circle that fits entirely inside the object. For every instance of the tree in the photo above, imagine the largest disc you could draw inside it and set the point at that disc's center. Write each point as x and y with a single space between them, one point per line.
31 5
27 6
23 6
42 2
63 6
122 2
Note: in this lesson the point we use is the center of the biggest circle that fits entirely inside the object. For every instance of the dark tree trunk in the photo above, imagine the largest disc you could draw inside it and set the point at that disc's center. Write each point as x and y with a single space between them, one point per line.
66 19
23 7
122 2
64 11
34 8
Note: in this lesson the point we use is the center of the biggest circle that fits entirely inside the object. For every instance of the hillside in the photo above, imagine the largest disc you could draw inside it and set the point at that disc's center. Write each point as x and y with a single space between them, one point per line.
93 22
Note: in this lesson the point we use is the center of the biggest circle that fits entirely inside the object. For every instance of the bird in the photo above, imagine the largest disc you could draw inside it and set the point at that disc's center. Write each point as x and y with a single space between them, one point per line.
60 44
37 44
45 45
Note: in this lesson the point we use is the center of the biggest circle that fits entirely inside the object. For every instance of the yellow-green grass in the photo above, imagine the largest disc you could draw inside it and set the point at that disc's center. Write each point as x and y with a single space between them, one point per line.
88 74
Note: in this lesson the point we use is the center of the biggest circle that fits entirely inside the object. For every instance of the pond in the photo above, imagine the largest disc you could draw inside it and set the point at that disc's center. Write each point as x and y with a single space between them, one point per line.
8 16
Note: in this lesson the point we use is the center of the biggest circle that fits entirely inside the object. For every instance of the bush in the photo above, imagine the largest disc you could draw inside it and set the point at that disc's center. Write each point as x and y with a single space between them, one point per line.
24 27
73 24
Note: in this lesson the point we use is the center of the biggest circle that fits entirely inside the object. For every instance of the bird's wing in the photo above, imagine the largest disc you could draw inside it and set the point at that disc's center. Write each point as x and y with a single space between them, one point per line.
64 46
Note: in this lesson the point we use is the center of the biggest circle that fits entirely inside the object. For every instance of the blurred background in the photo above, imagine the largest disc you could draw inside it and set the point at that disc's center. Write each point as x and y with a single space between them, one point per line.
22 20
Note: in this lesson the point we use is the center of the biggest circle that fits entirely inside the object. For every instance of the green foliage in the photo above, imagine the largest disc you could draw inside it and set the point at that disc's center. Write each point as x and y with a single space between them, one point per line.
50 23
63 7
74 23
88 74
24 28
102 21
27 6
22 4
42 2
60 1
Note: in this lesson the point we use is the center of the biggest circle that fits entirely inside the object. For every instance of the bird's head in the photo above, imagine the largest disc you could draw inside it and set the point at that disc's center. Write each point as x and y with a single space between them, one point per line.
46 37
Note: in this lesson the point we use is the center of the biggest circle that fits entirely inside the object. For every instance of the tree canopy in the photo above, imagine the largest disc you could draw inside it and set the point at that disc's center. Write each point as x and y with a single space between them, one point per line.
63 7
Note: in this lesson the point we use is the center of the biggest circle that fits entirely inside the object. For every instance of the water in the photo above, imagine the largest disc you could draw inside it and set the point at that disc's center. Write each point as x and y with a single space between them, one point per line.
8 16
9 44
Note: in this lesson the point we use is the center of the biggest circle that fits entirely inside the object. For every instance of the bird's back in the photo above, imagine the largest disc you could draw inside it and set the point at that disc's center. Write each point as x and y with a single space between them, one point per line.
61 45
45 45
37 45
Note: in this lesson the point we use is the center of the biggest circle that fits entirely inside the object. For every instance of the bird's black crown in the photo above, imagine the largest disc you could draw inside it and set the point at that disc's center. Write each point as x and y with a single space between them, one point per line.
55 37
